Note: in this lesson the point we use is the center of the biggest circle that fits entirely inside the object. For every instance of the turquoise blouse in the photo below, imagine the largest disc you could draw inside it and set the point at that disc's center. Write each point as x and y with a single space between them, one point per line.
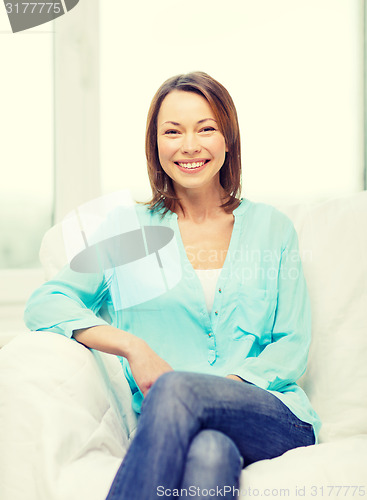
260 324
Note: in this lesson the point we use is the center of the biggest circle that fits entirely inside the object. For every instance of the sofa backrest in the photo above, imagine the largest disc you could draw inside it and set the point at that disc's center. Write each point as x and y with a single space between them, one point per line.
333 246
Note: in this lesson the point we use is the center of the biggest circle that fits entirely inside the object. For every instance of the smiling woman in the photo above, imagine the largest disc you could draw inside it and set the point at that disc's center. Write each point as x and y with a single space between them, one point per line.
191 147
192 128
212 361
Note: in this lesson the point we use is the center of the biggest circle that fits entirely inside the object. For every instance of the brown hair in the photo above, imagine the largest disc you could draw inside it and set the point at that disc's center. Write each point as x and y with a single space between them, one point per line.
225 113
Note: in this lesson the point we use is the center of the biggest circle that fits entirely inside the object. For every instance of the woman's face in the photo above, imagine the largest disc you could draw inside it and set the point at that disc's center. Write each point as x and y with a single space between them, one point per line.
191 148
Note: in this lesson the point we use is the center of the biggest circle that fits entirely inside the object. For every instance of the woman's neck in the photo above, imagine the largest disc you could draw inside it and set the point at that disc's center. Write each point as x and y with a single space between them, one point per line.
201 205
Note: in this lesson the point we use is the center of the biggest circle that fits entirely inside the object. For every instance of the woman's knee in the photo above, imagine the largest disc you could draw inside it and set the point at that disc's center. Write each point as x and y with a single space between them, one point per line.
169 393
213 449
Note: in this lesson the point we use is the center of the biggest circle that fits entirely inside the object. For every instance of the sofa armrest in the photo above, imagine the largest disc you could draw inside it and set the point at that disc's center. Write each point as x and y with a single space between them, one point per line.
64 410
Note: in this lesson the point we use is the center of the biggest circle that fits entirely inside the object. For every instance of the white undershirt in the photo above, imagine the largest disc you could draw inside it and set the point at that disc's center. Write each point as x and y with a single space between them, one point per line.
208 279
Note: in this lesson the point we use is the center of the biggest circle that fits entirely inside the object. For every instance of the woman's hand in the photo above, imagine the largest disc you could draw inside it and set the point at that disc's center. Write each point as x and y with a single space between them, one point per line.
146 366
234 377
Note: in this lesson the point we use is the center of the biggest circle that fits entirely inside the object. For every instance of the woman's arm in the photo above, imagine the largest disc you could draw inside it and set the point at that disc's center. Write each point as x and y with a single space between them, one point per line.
68 304
69 301
146 366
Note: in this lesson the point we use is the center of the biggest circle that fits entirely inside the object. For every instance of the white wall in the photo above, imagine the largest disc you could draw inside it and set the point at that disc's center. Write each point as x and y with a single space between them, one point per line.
293 67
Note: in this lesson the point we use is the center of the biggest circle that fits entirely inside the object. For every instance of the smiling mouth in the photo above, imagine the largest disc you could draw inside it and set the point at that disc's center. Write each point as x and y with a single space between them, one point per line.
191 165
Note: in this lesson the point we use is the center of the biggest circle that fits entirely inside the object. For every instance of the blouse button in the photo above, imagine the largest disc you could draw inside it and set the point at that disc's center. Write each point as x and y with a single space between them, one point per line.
216 313
220 290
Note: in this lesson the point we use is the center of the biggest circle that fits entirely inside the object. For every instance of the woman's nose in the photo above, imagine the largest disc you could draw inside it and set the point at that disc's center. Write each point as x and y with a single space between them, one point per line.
190 144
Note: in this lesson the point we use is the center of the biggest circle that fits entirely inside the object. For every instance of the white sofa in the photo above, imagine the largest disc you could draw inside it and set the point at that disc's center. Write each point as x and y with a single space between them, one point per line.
65 413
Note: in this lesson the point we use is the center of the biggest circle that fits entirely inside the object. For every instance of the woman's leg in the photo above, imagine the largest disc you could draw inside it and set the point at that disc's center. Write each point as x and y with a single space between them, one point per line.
213 466
178 406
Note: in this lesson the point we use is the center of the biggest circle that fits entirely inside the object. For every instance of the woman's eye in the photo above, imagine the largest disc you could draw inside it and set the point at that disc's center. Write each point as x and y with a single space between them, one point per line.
171 132
207 129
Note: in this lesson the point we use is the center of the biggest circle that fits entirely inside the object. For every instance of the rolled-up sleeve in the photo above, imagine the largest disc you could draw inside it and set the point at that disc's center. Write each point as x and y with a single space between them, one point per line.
284 360
71 300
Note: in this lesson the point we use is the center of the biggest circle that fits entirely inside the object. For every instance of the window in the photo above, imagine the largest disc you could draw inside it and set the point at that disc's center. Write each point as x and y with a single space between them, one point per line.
27 146
27 165
51 126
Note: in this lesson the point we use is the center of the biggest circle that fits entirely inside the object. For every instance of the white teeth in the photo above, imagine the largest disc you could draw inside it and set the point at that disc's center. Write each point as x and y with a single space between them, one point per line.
192 165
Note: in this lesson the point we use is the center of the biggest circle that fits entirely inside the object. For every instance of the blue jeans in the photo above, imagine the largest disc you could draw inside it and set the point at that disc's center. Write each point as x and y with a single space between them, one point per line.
196 432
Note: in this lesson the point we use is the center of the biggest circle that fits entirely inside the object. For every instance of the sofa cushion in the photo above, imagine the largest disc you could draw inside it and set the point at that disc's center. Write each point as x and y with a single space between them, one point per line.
333 246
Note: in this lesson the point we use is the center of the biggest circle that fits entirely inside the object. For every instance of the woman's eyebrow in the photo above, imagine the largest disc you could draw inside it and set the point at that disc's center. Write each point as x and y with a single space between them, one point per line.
206 119
200 121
